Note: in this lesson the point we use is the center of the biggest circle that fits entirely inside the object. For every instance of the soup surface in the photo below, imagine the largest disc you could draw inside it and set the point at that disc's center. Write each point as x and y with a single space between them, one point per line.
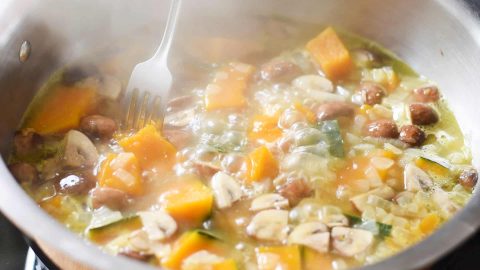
330 155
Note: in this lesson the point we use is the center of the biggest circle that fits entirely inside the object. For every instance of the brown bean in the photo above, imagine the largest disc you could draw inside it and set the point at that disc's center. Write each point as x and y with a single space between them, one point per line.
110 197
98 126
295 190
179 138
333 110
412 135
76 183
26 141
372 93
279 71
422 114
383 128
205 169
468 178
24 172
426 94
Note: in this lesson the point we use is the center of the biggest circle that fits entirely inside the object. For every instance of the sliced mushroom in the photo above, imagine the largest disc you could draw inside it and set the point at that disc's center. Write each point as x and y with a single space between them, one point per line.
415 179
158 224
180 118
226 190
269 201
79 150
336 220
311 234
201 260
313 83
139 241
350 242
269 225
139 244
361 201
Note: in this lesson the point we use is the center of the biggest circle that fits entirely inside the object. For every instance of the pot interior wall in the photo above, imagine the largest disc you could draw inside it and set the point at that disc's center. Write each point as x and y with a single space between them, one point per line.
435 43
435 37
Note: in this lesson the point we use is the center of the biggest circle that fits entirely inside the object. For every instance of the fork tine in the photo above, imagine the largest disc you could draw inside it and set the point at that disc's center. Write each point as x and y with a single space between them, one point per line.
154 75
142 111
153 112
159 112
132 107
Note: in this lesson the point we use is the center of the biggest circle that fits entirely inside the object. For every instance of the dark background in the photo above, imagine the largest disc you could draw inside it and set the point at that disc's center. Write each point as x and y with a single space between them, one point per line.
13 247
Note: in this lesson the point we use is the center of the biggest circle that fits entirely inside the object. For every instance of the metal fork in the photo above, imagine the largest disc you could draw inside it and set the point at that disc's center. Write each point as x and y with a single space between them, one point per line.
150 81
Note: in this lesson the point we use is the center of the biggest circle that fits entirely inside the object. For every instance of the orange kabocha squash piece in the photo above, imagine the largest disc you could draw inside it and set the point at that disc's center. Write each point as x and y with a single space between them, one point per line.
188 200
228 264
279 257
264 128
313 260
62 110
188 244
228 87
429 223
261 164
330 52
151 148
122 172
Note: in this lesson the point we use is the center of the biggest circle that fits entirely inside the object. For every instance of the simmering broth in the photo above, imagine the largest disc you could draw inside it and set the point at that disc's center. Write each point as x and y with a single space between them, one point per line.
333 153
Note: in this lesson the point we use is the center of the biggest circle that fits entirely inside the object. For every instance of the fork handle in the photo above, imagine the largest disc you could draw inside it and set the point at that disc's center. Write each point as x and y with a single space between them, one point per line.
162 51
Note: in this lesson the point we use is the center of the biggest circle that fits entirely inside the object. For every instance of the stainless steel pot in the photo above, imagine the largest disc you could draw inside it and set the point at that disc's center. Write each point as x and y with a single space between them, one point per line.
440 39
